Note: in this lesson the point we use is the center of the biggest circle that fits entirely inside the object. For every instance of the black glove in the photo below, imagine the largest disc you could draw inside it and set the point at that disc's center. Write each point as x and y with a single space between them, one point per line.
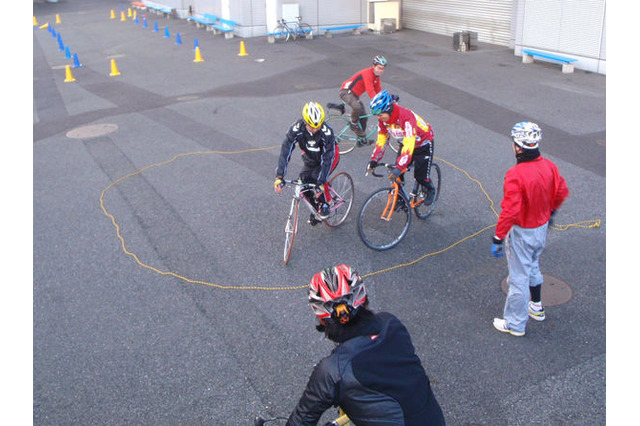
551 220
372 165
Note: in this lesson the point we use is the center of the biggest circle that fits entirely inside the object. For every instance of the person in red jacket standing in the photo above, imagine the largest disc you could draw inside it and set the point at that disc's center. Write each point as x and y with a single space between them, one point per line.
533 191
366 80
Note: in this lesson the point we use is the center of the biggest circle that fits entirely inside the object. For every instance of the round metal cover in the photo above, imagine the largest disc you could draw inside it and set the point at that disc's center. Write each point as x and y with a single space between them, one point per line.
92 131
554 291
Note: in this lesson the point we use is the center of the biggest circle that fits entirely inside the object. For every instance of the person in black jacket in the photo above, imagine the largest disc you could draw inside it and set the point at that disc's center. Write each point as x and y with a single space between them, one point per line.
320 154
373 374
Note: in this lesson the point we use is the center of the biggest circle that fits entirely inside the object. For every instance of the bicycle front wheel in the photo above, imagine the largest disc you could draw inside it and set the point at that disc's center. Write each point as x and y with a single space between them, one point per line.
281 33
423 210
341 191
304 30
345 136
290 229
383 233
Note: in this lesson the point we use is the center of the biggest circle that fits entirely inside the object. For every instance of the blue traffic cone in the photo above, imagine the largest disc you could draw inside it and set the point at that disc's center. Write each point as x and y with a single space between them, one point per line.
166 32
76 61
144 22
135 21
155 27
178 39
53 32
195 44
60 43
67 54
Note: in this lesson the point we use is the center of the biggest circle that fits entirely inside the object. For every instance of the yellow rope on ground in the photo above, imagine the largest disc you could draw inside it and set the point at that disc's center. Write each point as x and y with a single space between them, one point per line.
584 224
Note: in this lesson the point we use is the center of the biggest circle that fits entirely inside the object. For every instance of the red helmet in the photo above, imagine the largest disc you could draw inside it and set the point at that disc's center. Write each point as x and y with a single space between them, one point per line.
337 293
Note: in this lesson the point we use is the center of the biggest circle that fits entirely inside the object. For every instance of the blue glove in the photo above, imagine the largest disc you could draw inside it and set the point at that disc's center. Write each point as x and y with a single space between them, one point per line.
395 173
497 249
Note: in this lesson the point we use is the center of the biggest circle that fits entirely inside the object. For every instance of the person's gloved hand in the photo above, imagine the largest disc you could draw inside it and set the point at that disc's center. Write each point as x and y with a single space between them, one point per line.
497 249
372 165
551 220
395 174
278 184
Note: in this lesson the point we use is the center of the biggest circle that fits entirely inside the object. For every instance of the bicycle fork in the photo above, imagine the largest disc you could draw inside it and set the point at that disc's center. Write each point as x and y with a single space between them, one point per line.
392 200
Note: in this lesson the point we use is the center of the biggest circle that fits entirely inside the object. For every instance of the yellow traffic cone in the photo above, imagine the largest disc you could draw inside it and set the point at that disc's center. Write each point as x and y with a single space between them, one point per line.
198 55
44 26
114 68
113 14
58 18
122 16
35 22
68 76
129 15
243 50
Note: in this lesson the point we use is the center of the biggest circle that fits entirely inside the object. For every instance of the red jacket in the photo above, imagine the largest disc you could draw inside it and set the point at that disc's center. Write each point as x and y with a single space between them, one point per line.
406 125
363 80
532 189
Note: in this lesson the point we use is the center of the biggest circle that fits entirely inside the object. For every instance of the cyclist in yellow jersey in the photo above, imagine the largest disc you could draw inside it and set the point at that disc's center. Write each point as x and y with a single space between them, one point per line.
417 140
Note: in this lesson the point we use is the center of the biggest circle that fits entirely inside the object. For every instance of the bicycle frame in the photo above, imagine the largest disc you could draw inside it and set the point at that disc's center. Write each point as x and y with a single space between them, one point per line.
397 185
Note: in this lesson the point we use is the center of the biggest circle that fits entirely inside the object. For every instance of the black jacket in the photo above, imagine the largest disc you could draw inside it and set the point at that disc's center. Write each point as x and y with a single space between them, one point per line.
375 376
318 150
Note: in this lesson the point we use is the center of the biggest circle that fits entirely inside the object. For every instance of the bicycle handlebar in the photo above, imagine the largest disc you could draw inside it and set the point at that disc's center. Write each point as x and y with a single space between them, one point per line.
387 165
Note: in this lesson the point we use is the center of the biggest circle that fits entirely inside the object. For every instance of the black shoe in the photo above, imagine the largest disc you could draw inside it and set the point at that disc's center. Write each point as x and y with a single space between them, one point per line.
429 193
324 211
363 141
312 220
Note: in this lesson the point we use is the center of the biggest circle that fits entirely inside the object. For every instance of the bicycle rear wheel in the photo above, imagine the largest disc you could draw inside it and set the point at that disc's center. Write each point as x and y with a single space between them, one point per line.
290 229
423 210
345 136
378 233
341 190
281 33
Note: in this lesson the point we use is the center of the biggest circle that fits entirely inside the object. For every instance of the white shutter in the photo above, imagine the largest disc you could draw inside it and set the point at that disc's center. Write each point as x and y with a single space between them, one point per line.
491 19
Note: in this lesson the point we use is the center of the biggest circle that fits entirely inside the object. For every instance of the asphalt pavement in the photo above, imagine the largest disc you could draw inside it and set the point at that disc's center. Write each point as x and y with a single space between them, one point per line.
159 291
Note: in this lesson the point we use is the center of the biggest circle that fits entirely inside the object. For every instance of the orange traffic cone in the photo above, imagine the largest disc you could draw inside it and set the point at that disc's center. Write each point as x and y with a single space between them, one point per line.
114 68
68 76
243 50
122 16
198 55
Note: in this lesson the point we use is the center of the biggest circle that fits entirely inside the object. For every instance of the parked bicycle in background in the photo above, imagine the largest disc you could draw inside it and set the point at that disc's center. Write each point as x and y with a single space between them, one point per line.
287 30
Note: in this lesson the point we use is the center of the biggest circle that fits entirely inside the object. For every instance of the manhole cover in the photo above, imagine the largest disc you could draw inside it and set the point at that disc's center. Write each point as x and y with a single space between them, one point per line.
554 291
92 131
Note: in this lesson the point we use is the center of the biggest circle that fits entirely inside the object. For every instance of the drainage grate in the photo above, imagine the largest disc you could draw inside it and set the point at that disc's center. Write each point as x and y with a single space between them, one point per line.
554 291
92 131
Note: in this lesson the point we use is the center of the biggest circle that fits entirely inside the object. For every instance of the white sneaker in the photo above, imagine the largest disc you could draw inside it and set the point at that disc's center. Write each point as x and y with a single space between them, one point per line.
500 324
536 311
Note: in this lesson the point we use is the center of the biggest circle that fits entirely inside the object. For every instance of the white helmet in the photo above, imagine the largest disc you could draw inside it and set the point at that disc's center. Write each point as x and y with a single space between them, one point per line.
526 135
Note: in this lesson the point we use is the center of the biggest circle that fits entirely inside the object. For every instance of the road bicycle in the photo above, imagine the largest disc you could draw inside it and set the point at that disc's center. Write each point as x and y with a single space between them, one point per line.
385 216
341 420
287 30
341 194
347 138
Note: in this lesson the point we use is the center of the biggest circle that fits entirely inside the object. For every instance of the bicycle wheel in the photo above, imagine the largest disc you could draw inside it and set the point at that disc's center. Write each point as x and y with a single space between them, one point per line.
378 233
290 229
281 33
304 30
423 210
345 137
341 190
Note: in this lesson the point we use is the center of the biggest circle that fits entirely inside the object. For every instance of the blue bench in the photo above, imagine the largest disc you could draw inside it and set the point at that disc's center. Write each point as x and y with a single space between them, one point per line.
225 27
355 29
158 8
567 62
207 20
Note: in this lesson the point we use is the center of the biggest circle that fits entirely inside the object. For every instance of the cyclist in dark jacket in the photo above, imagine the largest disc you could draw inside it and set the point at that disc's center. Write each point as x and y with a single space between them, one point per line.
373 374
320 155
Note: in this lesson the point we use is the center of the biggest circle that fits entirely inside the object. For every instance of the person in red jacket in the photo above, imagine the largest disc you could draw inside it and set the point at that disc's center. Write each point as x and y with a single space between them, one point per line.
533 192
417 141
366 80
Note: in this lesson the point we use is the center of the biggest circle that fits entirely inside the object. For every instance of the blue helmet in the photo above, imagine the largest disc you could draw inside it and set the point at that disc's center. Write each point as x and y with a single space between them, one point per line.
382 102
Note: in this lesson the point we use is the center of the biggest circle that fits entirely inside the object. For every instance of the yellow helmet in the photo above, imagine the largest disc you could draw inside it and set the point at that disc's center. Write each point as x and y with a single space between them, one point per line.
313 114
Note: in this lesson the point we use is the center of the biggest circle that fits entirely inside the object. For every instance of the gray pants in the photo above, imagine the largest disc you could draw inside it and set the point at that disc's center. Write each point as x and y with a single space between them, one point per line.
357 110
524 248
